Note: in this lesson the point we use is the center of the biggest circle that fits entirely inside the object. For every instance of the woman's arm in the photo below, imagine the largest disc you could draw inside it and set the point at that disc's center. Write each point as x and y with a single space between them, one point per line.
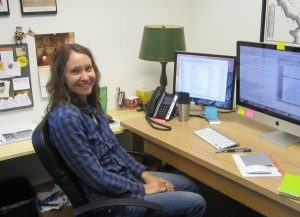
134 166
69 139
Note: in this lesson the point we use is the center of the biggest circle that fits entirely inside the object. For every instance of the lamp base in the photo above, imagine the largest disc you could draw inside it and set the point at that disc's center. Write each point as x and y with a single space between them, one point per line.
163 76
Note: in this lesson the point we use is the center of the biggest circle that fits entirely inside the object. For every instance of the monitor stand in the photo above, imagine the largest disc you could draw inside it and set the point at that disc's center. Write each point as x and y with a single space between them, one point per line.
280 138
196 110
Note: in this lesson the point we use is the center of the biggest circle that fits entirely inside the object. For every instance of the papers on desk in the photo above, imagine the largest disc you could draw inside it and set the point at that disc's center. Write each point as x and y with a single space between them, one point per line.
242 162
115 124
16 133
24 131
54 199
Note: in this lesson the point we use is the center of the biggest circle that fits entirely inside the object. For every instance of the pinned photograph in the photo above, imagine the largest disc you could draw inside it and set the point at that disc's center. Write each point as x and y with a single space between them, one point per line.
46 45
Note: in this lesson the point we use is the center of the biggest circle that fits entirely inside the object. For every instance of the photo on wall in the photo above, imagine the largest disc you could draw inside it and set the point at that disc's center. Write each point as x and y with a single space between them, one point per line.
32 7
46 45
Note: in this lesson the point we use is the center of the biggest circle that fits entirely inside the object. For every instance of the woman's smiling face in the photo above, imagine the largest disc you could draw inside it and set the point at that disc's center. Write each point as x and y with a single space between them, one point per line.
79 75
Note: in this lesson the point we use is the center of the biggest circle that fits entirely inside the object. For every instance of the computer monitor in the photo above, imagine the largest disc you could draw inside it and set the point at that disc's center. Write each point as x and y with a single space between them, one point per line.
208 78
268 83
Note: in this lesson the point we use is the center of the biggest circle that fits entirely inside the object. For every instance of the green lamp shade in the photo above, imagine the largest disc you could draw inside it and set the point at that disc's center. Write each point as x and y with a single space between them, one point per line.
160 42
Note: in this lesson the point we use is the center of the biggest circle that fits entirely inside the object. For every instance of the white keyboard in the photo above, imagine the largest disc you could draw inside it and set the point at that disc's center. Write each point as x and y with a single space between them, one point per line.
214 138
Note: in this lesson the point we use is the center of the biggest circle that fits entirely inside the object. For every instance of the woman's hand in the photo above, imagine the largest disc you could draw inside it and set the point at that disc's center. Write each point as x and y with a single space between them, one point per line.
155 184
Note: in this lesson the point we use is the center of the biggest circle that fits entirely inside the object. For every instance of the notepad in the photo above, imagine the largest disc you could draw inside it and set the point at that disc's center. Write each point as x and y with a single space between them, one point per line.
290 186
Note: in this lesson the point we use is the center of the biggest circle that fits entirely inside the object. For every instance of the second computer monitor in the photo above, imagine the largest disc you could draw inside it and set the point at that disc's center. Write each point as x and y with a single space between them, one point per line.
208 78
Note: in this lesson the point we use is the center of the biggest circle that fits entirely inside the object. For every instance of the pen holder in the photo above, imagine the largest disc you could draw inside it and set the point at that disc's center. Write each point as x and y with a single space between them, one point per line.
121 100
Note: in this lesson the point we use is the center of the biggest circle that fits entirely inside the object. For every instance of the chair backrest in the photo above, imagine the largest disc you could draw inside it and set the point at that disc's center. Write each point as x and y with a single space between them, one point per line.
55 165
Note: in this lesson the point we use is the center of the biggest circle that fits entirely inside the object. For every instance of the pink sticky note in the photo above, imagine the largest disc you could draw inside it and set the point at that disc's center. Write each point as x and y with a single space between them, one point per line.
250 113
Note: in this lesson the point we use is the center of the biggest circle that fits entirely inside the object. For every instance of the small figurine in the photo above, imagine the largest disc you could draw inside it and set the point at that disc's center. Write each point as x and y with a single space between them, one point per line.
19 34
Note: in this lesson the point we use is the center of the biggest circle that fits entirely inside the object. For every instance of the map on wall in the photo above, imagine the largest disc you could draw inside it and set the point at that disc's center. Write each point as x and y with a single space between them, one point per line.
282 21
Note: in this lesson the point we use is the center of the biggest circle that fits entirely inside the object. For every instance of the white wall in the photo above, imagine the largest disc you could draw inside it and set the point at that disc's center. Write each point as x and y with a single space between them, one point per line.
112 30
219 24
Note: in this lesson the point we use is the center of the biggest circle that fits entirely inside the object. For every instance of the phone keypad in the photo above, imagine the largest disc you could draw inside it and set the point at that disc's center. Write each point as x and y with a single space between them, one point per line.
163 110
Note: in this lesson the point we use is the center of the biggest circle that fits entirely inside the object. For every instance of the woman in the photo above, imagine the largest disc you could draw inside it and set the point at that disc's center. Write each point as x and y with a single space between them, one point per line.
81 134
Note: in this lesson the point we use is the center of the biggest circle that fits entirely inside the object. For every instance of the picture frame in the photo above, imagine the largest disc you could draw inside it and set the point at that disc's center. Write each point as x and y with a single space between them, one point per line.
279 22
32 7
4 7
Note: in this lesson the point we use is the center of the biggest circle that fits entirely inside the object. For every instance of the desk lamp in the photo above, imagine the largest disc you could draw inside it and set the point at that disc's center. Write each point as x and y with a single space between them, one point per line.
159 44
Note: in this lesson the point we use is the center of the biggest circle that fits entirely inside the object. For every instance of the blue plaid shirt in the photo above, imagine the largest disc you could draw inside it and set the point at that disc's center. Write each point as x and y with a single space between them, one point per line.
91 150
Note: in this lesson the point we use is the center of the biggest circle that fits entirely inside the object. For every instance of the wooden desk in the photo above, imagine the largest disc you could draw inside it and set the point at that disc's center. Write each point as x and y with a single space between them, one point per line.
185 151
22 148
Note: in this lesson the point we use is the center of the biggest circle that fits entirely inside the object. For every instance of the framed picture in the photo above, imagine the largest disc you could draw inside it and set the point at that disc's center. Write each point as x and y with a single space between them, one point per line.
280 21
4 7
31 7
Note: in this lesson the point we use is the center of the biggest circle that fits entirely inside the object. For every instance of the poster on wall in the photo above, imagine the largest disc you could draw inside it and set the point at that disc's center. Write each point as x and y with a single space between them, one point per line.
15 83
280 21
46 45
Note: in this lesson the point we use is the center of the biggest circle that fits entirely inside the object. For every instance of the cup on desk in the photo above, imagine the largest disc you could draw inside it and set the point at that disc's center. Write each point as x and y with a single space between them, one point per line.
183 106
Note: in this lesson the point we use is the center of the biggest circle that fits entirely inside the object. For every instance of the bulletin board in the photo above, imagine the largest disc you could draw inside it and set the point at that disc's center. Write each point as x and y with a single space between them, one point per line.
15 80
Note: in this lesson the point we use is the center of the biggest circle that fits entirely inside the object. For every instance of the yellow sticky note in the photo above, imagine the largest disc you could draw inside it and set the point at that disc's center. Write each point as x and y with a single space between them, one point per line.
1 65
23 61
280 45
242 111
250 113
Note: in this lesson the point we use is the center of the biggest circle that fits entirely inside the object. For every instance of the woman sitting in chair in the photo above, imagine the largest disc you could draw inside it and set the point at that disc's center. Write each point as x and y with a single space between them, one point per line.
81 134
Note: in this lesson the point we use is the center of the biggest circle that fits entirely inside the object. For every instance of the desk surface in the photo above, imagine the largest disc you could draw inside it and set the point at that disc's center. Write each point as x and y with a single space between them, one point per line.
22 148
186 151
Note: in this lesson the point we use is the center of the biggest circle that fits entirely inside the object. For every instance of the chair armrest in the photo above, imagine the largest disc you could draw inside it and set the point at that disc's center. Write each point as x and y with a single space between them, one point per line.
141 154
116 202
151 162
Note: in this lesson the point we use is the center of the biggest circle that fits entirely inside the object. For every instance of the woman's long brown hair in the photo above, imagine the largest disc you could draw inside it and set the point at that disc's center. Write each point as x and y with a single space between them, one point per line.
59 93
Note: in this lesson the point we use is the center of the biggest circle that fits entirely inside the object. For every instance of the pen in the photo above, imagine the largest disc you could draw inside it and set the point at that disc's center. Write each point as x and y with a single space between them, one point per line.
277 165
235 149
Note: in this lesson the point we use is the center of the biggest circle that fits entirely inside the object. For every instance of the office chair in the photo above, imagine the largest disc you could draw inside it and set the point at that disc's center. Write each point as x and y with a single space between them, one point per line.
68 182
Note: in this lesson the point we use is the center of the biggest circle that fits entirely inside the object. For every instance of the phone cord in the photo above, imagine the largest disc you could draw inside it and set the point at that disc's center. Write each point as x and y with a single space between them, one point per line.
162 127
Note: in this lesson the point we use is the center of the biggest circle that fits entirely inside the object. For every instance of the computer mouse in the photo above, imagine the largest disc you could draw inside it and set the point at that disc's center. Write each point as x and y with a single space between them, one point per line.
258 169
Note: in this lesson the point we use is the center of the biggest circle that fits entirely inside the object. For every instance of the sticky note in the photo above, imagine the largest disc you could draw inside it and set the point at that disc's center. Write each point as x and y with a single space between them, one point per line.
242 111
280 45
250 113
211 113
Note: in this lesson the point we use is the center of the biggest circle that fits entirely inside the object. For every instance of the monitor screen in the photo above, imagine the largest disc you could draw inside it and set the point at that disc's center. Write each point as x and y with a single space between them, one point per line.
208 78
268 82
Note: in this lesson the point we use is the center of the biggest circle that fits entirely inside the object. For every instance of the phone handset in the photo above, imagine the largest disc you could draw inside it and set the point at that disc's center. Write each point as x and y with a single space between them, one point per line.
172 106
159 105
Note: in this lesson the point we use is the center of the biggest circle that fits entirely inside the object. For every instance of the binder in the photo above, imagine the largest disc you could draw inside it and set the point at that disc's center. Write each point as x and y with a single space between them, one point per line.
290 186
